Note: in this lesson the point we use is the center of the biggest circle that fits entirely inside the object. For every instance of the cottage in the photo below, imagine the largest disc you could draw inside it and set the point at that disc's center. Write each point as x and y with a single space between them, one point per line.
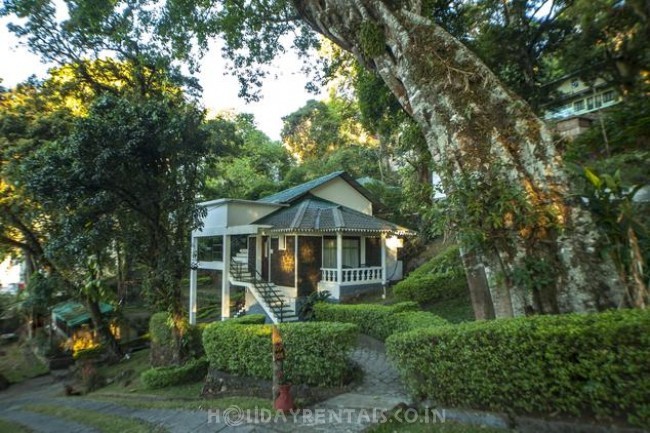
317 236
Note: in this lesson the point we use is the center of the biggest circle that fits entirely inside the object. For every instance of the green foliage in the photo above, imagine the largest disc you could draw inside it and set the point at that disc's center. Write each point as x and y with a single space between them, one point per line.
534 274
441 278
597 364
371 39
92 353
627 128
249 319
611 43
306 311
163 377
623 223
378 321
248 162
173 340
316 353
160 329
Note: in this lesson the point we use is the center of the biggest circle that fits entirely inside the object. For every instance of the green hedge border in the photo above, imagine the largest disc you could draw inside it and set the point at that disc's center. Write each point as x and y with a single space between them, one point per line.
315 353
378 321
163 377
592 365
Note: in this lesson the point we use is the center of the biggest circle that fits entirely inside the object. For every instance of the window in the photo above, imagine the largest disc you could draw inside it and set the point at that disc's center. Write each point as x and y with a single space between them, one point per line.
579 105
608 96
351 251
210 249
590 103
597 101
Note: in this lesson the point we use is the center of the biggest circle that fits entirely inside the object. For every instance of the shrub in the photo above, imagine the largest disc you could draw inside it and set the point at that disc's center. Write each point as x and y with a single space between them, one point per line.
192 341
443 277
162 377
595 364
378 321
172 341
90 353
316 353
250 319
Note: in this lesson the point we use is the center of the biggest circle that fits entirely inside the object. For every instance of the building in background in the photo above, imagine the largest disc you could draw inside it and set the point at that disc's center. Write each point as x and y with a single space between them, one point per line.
12 275
577 104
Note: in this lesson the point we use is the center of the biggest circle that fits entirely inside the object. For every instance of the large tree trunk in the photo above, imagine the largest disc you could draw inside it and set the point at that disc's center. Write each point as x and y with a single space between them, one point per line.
496 156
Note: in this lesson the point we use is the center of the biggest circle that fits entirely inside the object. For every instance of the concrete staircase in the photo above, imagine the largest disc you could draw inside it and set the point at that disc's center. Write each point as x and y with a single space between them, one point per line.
268 295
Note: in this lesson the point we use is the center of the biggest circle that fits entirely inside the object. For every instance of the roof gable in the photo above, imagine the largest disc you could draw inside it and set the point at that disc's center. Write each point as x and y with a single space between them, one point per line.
290 195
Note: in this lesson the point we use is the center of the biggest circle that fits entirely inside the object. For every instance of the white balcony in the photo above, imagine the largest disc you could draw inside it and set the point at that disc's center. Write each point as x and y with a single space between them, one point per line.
352 276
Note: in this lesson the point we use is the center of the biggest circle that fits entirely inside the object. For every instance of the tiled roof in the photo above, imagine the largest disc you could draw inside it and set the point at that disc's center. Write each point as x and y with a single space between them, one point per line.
296 192
315 214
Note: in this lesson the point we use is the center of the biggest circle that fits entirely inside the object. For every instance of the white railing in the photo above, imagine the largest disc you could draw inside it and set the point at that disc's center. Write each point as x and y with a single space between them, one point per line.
353 275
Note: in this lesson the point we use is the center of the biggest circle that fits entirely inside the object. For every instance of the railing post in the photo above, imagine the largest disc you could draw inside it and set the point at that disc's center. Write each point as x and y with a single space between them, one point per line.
225 283
339 258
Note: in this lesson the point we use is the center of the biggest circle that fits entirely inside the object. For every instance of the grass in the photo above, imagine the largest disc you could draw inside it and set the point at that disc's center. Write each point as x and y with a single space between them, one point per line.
421 426
19 363
125 377
199 404
13 427
102 422
455 310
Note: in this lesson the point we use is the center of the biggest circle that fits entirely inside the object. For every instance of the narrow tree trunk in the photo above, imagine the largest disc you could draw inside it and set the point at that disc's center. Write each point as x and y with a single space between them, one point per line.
480 133
479 290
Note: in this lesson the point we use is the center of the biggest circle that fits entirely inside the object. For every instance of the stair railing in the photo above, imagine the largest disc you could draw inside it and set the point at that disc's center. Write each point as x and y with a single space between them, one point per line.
269 294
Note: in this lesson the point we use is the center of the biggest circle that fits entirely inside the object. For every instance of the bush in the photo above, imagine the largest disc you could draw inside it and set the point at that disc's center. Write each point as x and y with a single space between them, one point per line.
192 341
249 319
162 377
595 364
91 353
316 353
443 277
378 321
173 341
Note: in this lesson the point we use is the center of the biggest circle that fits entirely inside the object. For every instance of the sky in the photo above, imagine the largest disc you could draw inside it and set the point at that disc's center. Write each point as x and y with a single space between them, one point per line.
281 96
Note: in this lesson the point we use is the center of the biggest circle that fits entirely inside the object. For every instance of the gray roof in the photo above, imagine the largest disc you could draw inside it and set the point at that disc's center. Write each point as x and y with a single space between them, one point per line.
296 192
315 214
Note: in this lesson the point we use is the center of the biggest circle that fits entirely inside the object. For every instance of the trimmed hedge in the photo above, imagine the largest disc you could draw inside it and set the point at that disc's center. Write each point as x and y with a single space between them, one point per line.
316 353
249 319
442 277
378 321
162 377
592 365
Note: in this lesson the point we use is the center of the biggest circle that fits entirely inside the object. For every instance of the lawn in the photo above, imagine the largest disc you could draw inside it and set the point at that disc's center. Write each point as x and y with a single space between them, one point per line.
421 426
125 378
13 427
128 390
102 422
19 363
455 310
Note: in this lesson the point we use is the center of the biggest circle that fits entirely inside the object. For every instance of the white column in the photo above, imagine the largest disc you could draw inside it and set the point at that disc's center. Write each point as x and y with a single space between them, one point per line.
193 275
295 264
225 283
258 254
362 250
339 258
383 259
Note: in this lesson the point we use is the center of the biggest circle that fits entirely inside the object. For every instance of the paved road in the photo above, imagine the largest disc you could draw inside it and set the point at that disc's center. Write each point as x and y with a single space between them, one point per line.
352 412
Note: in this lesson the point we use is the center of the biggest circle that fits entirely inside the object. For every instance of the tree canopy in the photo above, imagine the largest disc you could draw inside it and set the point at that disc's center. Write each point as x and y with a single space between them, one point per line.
469 76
